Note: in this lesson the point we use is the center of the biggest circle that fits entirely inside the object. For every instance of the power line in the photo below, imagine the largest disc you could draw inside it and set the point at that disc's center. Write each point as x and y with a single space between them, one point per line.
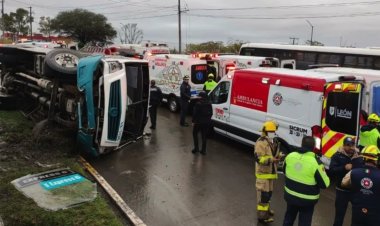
288 17
288 6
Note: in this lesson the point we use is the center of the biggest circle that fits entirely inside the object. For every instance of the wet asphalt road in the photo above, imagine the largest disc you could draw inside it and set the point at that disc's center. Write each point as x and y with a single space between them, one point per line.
165 184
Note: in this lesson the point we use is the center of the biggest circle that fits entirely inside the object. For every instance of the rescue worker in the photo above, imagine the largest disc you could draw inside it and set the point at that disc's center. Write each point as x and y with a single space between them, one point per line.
155 99
185 95
202 114
369 134
209 84
365 186
346 158
304 176
266 156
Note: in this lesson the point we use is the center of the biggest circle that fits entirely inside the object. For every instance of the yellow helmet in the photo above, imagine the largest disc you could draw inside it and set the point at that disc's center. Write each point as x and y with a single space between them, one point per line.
373 118
210 75
371 152
269 126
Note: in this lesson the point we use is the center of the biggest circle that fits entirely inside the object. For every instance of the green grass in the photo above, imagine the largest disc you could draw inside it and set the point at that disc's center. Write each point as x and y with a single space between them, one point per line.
21 156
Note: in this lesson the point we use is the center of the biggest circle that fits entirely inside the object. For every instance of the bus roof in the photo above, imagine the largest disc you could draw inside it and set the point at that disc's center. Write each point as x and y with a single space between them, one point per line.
324 49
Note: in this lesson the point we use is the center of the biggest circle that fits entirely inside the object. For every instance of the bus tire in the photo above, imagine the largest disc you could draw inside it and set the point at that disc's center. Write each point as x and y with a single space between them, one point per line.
62 64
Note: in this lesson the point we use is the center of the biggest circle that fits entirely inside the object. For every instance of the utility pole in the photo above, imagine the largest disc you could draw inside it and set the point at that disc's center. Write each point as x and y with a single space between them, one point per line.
2 15
293 40
30 21
312 29
179 27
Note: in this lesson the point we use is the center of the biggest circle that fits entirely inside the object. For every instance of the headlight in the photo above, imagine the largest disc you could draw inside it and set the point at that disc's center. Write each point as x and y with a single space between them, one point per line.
115 66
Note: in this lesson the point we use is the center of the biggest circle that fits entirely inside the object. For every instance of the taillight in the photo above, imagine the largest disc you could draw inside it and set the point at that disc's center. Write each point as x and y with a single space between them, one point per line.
317 132
230 68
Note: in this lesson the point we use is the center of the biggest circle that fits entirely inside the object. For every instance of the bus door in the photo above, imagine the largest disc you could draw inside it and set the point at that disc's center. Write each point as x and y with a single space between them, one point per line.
290 64
374 98
340 115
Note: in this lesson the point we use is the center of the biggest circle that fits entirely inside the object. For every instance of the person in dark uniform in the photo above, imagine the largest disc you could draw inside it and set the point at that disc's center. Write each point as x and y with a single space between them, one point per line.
346 158
202 114
365 186
185 96
154 101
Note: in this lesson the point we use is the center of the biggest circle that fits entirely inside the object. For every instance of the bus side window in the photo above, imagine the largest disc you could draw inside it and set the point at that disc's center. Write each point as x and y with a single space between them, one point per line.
377 63
350 61
220 94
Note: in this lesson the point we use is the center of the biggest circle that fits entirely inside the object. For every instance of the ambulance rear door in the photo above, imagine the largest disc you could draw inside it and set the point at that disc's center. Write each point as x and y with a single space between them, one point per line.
374 97
340 115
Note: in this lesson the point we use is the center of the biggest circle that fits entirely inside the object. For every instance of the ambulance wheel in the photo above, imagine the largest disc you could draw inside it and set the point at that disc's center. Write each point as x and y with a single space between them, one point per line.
173 104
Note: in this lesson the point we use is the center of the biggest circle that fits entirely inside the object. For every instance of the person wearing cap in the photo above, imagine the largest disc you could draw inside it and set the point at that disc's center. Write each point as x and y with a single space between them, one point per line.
369 134
210 83
364 183
185 95
202 114
346 158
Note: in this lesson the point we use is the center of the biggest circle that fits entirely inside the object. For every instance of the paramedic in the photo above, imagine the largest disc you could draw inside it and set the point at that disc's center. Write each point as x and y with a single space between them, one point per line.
365 186
346 158
185 96
210 83
202 114
154 101
266 157
369 134
304 176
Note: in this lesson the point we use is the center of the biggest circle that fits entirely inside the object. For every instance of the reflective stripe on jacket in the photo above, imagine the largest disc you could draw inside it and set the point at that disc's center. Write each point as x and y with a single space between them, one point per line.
264 152
304 176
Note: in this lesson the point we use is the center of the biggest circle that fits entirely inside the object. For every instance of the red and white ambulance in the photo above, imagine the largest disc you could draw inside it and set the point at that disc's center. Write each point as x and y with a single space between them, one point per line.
323 105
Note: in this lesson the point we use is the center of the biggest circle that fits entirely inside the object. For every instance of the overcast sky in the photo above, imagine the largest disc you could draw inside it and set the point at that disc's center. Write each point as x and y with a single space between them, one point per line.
335 22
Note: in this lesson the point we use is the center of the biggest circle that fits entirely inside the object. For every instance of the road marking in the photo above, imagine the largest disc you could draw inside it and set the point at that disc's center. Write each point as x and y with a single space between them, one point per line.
132 217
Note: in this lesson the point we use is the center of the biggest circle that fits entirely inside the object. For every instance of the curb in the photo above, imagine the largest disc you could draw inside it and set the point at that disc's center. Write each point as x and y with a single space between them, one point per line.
127 211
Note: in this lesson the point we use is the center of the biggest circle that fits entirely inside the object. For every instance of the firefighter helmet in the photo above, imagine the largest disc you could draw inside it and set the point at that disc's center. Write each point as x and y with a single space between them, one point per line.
371 152
269 126
373 118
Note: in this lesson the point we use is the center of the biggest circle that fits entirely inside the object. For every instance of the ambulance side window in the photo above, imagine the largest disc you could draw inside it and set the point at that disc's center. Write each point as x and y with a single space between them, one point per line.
220 94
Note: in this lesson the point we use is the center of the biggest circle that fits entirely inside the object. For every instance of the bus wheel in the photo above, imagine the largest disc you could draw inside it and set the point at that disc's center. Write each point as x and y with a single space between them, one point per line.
173 104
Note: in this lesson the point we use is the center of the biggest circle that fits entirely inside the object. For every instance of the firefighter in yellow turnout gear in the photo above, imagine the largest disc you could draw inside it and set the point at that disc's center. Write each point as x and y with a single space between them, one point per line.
266 156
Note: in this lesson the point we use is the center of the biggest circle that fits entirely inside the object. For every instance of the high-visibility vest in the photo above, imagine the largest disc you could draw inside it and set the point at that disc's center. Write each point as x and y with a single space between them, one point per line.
210 85
368 137
300 172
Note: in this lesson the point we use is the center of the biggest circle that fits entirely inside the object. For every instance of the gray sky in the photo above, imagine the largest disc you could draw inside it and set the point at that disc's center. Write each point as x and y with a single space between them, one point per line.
335 22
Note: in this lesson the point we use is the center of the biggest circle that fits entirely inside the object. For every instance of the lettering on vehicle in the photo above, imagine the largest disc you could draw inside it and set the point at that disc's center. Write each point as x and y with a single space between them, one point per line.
340 113
297 131
160 62
248 100
219 113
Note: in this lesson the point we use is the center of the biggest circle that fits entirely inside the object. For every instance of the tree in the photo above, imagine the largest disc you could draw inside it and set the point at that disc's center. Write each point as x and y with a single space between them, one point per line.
16 22
130 34
209 47
233 46
83 25
45 26
21 19
315 43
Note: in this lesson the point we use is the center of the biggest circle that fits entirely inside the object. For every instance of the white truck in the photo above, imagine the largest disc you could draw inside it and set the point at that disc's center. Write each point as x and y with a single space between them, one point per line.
103 98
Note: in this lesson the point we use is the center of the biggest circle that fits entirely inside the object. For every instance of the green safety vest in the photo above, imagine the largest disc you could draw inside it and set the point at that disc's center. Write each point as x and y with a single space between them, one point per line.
300 170
368 137
210 85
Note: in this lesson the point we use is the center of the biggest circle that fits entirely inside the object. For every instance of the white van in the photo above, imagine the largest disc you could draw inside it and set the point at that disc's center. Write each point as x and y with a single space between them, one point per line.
242 62
371 101
323 105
